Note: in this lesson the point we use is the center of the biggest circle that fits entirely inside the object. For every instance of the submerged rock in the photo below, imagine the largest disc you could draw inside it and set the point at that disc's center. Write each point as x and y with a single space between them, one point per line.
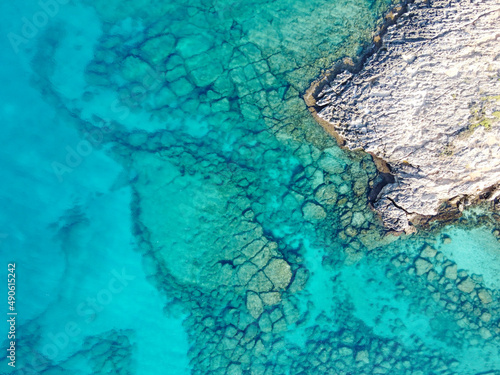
271 298
428 104
278 271
485 296
422 266
467 286
254 305
265 323
451 272
428 252
313 212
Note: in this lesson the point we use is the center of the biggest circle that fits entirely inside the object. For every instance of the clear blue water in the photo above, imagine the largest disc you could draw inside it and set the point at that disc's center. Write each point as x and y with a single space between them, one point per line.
160 170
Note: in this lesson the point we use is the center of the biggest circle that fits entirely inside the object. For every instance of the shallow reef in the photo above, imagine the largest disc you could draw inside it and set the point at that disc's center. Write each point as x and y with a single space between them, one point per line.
252 224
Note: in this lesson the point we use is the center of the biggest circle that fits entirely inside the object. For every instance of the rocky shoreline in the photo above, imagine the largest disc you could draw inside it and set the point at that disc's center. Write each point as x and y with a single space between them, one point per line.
423 101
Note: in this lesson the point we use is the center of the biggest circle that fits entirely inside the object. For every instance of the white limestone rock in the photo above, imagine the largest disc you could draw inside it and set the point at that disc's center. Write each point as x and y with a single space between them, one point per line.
428 103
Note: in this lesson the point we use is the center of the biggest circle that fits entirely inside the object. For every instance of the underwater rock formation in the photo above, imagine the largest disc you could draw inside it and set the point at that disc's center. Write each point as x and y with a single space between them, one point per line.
426 102
251 223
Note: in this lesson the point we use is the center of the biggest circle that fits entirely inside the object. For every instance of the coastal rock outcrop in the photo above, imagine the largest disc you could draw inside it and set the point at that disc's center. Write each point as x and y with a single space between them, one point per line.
426 102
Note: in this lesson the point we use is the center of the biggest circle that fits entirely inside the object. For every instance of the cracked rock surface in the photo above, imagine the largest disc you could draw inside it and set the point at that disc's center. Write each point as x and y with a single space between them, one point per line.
427 102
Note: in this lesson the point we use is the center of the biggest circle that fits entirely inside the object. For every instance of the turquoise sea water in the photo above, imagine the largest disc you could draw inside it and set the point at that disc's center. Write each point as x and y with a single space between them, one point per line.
172 208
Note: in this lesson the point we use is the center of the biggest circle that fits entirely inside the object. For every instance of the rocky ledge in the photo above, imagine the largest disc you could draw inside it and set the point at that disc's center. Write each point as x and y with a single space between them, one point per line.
425 102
